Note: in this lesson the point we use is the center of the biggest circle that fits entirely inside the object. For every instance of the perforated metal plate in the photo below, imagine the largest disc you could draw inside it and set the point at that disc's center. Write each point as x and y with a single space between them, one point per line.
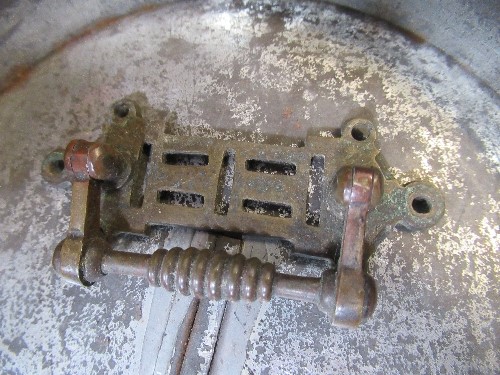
242 187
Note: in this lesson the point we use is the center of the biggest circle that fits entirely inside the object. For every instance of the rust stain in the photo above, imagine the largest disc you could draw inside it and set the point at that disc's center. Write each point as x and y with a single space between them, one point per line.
287 112
19 74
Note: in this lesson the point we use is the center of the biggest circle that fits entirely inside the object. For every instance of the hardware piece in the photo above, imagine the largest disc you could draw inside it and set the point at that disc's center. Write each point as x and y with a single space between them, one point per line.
329 198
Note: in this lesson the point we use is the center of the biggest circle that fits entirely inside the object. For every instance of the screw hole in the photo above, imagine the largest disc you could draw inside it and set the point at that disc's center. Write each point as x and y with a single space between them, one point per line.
58 166
121 110
53 167
361 132
421 205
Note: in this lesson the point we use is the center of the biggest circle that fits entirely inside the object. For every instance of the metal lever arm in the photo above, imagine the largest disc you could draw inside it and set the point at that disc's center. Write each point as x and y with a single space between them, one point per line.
361 190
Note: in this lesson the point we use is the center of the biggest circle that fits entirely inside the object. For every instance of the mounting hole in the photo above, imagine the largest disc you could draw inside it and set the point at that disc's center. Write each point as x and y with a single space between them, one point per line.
421 205
57 166
53 167
361 132
424 206
121 110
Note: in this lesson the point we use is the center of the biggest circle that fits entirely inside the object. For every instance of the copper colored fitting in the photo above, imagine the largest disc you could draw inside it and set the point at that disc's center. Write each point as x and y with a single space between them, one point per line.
95 160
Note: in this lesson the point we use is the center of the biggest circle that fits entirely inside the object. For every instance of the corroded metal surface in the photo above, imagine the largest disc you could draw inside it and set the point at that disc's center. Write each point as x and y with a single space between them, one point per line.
241 187
297 194
318 66
346 295
464 30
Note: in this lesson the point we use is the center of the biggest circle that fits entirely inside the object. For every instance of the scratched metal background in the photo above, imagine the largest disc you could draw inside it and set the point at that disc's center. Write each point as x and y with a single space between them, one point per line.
272 71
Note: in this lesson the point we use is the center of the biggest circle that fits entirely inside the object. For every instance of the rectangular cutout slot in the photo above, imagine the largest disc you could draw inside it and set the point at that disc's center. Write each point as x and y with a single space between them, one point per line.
267 208
225 184
139 183
315 190
271 167
179 198
185 158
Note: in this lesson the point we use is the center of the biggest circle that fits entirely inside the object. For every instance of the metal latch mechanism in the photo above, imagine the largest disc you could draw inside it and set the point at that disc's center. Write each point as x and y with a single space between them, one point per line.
329 198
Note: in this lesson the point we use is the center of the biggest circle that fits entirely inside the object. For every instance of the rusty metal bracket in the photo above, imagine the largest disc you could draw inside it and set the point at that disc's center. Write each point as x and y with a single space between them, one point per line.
328 198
